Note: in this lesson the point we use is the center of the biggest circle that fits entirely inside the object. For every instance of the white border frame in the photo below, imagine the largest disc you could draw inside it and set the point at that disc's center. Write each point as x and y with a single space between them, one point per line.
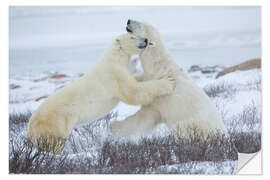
4 6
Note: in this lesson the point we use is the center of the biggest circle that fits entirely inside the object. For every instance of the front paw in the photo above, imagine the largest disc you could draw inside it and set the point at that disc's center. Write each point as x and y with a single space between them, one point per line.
168 85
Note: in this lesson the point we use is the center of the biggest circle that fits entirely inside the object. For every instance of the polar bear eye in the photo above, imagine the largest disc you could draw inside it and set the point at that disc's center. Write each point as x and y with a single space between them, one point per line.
132 37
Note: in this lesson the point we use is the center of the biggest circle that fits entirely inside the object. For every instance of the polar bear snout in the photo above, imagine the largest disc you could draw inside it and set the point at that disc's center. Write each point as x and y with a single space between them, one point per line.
130 26
134 27
143 44
131 22
128 30
140 42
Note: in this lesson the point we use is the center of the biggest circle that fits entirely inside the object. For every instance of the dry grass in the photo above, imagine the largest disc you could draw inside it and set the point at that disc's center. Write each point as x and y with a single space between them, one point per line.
90 149
224 90
245 129
121 157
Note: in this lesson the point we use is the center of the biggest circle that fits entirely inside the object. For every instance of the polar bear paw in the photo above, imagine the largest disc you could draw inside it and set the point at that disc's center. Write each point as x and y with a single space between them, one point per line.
168 84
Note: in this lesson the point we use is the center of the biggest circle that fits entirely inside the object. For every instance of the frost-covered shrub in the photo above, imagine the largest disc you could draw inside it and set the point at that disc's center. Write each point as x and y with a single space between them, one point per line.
222 89
247 142
15 119
245 129
244 126
151 153
113 156
24 158
89 136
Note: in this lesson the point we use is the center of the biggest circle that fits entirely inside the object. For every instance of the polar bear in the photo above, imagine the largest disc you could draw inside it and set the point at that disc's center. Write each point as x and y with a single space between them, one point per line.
187 109
94 95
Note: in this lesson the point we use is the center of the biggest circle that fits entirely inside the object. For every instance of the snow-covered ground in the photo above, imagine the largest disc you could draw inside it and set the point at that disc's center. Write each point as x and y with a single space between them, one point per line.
45 41
226 167
242 90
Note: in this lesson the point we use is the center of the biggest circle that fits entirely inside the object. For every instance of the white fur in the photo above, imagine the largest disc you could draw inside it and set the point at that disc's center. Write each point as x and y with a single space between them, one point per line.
187 109
95 94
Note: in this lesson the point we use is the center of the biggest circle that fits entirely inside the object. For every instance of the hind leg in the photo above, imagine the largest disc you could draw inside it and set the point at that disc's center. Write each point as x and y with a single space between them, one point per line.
48 135
143 122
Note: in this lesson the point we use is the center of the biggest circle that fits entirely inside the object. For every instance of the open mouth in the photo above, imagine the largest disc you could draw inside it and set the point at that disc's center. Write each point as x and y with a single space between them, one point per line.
128 30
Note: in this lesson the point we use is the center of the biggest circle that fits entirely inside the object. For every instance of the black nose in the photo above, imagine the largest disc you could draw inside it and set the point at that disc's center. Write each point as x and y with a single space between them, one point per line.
146 41
128 30
128 22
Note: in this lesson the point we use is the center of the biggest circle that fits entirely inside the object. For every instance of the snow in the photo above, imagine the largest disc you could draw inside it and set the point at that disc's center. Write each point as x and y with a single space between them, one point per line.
23 99
245 94
226 167
245 89
69 40
32 87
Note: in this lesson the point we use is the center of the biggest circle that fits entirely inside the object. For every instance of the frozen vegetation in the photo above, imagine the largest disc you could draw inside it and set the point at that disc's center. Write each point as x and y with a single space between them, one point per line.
43 60
91 149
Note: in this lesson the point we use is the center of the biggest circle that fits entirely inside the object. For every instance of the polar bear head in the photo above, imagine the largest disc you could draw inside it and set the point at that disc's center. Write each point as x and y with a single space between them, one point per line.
140 29
130 44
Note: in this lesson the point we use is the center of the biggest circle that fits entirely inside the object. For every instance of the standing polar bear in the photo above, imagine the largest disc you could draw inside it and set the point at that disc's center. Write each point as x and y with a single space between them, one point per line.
188 108
94 95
